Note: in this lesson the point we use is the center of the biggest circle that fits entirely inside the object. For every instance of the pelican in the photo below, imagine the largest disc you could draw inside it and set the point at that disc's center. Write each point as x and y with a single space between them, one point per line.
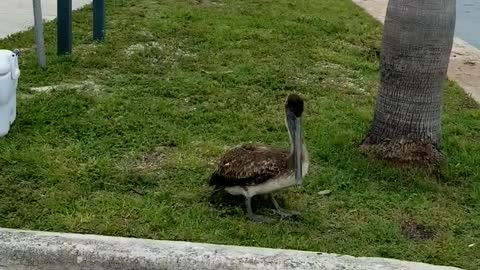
254 169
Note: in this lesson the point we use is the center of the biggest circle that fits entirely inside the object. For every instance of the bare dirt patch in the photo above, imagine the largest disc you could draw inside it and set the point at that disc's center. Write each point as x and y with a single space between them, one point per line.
146 163
416 231
83 86
332 75
156 53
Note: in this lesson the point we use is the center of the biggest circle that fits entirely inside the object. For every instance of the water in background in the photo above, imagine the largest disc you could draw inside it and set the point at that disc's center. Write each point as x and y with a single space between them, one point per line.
468 21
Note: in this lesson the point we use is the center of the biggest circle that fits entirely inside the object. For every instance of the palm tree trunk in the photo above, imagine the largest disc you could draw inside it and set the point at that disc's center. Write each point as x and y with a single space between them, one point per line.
417 42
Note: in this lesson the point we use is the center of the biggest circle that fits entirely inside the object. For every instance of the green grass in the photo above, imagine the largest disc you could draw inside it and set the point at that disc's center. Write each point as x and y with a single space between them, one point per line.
178 82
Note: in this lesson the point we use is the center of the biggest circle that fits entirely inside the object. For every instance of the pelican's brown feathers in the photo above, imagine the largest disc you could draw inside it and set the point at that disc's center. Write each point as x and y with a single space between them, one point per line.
250 164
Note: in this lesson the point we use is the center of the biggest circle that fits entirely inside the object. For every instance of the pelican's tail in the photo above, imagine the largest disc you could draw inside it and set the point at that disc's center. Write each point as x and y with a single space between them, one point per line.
215 188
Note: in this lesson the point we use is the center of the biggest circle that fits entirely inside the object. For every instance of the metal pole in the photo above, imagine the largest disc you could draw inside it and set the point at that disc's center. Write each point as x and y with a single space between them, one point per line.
64 27
37 15
98 20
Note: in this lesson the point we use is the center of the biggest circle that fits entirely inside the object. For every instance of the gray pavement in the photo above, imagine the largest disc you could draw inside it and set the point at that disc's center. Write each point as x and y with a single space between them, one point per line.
468 21
17 15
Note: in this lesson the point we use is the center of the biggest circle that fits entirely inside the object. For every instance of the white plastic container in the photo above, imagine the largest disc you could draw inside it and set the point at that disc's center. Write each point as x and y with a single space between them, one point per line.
9 74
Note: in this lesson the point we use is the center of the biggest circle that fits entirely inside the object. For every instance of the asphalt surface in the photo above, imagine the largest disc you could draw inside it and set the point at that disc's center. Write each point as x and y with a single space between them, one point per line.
468 21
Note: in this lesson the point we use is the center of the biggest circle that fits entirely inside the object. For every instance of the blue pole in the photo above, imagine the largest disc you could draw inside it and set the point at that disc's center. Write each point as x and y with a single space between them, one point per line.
64 27
98 20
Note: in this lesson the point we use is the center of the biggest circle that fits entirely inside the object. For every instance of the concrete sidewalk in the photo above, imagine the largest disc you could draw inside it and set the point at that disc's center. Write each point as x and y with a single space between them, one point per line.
17 15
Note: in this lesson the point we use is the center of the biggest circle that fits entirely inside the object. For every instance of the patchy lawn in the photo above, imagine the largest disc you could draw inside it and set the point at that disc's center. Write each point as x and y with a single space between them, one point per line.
127 138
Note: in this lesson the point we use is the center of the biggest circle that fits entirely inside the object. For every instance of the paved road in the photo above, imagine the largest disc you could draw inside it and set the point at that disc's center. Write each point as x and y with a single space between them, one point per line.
17 15
468 21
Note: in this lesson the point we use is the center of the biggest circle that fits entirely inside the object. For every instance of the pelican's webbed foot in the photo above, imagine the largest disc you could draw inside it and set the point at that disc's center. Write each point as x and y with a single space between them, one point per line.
260 218
286 214
255 217
282 212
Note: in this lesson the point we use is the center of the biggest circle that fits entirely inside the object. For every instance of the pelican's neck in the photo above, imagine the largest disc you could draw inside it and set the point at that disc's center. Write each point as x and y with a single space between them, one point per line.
291 136
305 158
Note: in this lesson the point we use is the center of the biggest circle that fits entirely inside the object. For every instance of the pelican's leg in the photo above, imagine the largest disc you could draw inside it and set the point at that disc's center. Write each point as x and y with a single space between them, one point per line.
282 212
254 217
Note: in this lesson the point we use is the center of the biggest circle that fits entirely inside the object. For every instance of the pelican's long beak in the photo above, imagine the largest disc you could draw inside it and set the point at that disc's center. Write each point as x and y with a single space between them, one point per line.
297 149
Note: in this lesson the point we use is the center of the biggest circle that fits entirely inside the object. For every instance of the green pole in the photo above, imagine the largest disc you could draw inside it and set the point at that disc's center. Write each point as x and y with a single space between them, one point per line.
98 20
64 27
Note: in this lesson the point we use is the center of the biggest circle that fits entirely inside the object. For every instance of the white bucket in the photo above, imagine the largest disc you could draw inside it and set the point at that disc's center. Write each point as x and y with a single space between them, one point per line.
9 74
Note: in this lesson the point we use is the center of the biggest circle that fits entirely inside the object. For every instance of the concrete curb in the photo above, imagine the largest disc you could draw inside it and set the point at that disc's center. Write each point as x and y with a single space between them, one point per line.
29 250
464 67
17 15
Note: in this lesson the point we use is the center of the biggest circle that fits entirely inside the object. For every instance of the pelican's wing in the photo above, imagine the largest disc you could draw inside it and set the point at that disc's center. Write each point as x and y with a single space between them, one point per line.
249 165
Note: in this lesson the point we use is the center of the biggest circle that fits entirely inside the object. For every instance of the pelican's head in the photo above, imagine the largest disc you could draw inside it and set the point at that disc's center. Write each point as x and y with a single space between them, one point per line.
293 111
